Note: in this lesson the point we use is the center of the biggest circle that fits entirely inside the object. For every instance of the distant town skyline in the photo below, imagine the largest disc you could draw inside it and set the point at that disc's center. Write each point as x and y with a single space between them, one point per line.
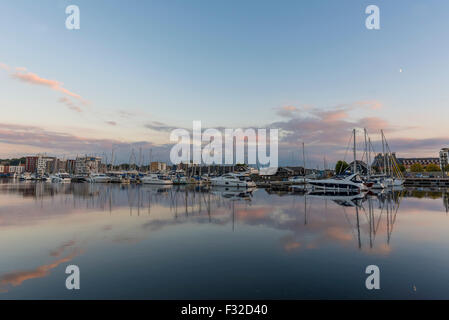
135 71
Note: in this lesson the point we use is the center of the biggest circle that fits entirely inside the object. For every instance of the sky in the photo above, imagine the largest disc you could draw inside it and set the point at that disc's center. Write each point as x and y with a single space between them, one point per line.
135 70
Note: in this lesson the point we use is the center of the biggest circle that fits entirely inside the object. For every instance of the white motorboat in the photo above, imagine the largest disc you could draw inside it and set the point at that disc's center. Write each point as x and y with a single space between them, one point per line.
99 178
232 180
352 183
156 179
26 176
61 177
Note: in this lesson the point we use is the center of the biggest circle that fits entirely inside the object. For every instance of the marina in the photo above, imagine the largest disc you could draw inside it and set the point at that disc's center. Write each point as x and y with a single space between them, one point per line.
235 231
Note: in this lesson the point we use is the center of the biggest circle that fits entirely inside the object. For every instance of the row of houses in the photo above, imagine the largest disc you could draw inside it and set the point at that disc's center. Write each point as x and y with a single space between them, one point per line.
7 169
42 164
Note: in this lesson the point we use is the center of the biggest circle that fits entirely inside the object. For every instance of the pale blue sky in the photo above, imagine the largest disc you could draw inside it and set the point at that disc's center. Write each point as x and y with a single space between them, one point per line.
227 63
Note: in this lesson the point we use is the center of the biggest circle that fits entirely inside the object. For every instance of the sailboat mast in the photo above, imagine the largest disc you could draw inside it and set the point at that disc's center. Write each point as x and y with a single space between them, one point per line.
355 154
369 156
366 154
304 162
383 152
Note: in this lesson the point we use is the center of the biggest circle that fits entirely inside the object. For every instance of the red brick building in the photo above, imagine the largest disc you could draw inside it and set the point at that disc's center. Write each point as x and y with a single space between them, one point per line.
31 164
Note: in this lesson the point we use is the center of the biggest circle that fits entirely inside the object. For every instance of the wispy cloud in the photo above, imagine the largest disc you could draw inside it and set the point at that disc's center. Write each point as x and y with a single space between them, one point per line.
287 111
4 66
23 75
371 104
111 123
33 78
70 104
159 126
62 143
36 136
126 114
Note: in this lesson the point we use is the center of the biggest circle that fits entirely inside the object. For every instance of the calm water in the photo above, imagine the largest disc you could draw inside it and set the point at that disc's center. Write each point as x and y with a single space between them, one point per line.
146 242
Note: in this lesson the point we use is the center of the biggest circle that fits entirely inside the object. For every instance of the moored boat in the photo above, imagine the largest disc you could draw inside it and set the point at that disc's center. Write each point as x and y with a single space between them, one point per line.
232 180
352 182
153 178
99 178
61 177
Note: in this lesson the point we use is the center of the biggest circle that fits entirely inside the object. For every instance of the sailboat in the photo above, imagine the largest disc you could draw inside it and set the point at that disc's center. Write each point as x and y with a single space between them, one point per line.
300 182
377 181
392 173
351 183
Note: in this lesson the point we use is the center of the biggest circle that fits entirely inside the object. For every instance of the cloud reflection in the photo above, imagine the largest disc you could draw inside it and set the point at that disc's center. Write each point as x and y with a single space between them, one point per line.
16 278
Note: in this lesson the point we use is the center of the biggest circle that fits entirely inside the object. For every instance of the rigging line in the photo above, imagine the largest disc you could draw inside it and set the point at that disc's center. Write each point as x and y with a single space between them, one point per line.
378 223
364 211
394 218
349 222
346 153
347 148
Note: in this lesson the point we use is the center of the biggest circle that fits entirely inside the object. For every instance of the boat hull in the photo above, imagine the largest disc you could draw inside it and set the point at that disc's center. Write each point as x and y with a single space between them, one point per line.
157 182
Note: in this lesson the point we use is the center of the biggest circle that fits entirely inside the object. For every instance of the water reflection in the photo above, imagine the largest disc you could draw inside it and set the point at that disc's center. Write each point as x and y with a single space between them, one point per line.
110 215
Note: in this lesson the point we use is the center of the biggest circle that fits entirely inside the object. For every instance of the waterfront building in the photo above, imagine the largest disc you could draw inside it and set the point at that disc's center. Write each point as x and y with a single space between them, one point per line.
87 165
444 158
41 166
51 165
31 164
158 166
408 162
70 166
278 173
380 160
16 169
60 166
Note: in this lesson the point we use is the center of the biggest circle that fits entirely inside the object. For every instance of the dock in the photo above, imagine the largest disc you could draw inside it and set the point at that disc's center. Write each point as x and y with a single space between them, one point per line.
427 182
275 185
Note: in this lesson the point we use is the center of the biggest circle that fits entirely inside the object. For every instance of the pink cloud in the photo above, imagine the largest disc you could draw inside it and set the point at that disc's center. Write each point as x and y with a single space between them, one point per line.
4 66
333 115
33 78
372 104
37 138
287 111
